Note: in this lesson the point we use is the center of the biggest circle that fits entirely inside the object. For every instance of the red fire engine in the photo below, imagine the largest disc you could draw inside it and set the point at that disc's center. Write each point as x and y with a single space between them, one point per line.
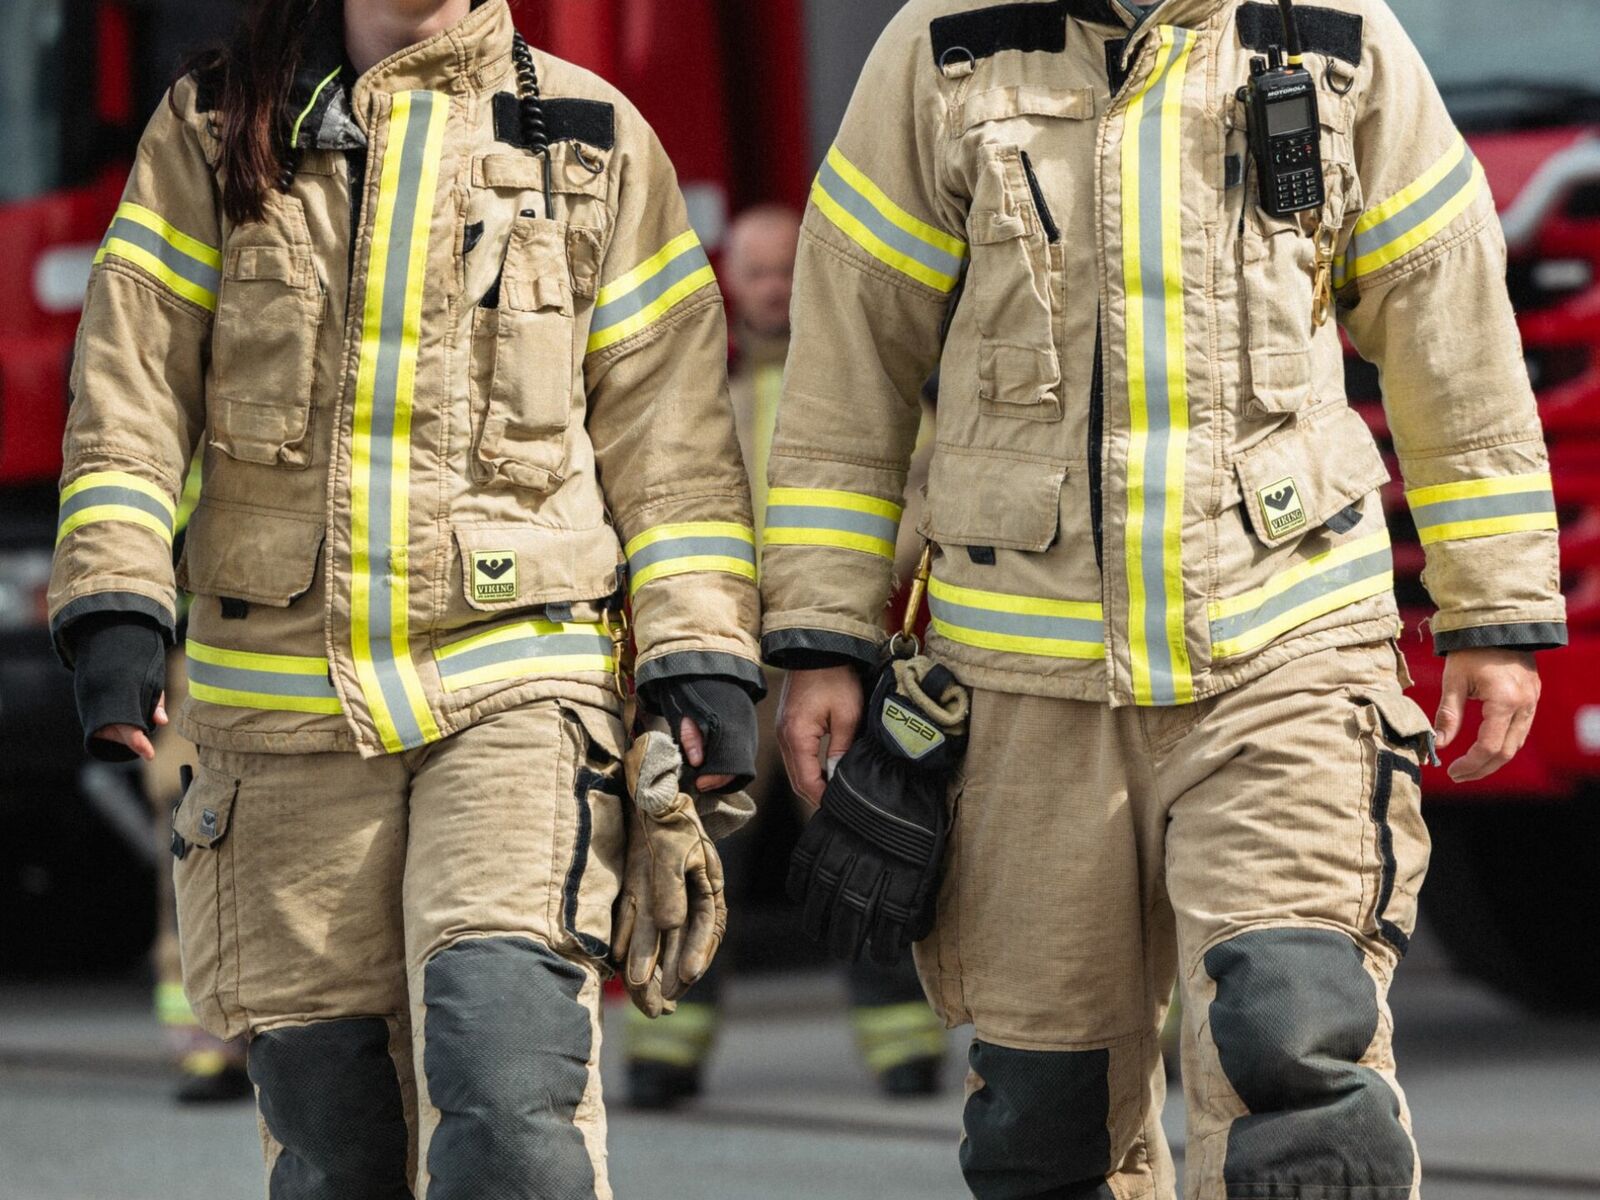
745 97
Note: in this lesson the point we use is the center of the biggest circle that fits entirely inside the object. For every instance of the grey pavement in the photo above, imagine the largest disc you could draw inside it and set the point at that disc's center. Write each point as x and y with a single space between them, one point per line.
1508 1105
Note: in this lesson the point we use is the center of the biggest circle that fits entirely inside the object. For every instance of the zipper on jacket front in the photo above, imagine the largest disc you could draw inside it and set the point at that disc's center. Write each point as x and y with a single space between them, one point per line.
1097 422
358 187
1051 231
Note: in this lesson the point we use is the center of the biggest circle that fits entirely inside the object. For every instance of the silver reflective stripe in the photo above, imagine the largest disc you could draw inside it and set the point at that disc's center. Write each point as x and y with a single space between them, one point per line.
797 516
183 265
1415 213
1515 504
531 647
647 293
691 547
95 497
1359 570
263 683
1064 629
863 210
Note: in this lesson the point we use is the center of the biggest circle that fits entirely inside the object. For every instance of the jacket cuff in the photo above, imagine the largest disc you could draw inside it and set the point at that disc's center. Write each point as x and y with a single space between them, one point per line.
814 649
704 663
1530 635
108 602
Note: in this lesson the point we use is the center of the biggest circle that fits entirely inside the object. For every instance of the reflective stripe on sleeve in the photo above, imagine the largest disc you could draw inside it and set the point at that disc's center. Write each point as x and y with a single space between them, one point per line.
864 213
1343 576
524 649
186 266
650 291
1475 508
838 520
115 496
1017 624
1414 216
273 682
667 550
1158 389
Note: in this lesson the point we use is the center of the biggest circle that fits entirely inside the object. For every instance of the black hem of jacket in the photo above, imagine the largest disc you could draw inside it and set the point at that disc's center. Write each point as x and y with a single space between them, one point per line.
108 602
701 664
815 649
1531 635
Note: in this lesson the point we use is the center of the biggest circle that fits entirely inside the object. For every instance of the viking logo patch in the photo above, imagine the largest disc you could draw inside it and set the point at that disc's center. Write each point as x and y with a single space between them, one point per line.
1282 507
494 576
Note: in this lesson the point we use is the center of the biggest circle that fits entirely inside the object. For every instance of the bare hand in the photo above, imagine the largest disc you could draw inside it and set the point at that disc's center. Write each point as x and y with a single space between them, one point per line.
817 705
132 736
694 750
1507 681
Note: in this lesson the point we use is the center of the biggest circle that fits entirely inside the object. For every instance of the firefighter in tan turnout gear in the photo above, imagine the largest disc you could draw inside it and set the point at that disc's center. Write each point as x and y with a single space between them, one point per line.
459 373
1162 565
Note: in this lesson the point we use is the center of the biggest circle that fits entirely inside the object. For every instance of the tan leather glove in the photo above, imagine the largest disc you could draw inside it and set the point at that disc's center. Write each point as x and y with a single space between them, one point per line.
673 915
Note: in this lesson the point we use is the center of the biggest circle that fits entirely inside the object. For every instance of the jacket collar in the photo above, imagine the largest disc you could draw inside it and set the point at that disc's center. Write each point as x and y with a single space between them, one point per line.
1188 14
326 93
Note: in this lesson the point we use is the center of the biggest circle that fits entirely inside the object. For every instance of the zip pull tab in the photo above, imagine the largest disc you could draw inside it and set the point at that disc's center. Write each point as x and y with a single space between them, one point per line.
1322 285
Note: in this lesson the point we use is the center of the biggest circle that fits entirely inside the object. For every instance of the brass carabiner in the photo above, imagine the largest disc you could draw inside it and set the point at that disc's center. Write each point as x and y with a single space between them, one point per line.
907 637
616 622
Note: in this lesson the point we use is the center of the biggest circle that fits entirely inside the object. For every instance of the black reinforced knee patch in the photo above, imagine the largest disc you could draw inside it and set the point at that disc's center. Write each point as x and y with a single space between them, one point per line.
330 1097
1294 1014
506 1048
1037 1128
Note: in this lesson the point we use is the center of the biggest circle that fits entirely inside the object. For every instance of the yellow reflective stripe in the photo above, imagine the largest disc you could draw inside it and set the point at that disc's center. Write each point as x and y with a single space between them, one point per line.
1278 584
689 547
1014 624
891 211
648 292
175 237
690 529
1461 531
231 698
519 668
1426 231
822 498
1008 602
1008 643
875 246
515 633
270 682
1262 635
172 1005
140 257
118 479
1475 489
515 652
833 539
114 512
1157 382
690 565
1414 216
249 660
647 270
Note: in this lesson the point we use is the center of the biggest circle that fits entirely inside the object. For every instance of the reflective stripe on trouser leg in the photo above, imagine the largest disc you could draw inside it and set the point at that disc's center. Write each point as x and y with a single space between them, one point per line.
1036 1124
507 1043
331 1100
1295 1015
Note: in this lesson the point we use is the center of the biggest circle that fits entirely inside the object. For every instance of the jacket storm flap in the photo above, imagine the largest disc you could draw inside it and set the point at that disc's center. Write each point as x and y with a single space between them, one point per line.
440 428
1148 485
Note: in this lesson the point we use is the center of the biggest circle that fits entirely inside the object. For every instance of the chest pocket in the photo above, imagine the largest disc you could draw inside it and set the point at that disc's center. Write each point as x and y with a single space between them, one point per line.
524 354
1279 263
1015 227
263 346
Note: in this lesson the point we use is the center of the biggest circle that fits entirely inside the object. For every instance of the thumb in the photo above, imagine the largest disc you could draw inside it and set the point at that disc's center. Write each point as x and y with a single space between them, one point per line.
1452 704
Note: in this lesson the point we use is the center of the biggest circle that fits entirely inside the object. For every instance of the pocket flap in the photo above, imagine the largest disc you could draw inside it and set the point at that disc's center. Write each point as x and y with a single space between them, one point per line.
604 729
993 500
1296 480
261 555
284 264
505 567
996 104
203 816
537 275
1399 719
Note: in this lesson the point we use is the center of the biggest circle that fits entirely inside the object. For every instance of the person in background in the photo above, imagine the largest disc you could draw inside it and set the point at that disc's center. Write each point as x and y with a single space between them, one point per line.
900 1038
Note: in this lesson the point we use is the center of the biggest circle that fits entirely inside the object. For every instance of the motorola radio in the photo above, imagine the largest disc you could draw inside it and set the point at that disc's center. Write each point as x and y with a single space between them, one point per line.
1285 136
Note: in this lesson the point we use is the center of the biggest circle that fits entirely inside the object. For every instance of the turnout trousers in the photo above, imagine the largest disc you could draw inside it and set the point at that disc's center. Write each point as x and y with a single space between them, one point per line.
1264 849
413 945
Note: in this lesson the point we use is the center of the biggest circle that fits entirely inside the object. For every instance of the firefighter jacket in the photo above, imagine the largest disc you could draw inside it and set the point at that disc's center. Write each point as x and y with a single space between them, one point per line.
440 426
1148 486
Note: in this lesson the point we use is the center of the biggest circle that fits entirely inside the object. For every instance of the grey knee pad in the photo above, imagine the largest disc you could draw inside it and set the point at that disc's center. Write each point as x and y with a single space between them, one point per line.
506 1048
1037 1128
331 1098
1294 1014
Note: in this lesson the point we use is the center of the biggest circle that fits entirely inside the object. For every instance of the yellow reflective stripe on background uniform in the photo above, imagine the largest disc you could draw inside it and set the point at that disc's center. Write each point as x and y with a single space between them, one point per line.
1158 393
838 520
668 550
115 496
1017 624
273 682
650 291
1475 508
1343 576
186 266
1414 216
380 468
523 649
865 214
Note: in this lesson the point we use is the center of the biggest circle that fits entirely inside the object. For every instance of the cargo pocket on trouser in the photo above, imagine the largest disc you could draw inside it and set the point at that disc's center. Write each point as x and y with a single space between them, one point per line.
1012 288
522 357
203 879
264 342
590 837
1398 738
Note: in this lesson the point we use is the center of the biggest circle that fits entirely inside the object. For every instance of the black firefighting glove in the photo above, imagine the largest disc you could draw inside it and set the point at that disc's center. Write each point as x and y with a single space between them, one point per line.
867 867
726 715
119 671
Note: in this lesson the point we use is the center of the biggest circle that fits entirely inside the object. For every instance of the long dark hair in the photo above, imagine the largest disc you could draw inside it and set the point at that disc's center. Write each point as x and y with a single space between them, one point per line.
250 80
